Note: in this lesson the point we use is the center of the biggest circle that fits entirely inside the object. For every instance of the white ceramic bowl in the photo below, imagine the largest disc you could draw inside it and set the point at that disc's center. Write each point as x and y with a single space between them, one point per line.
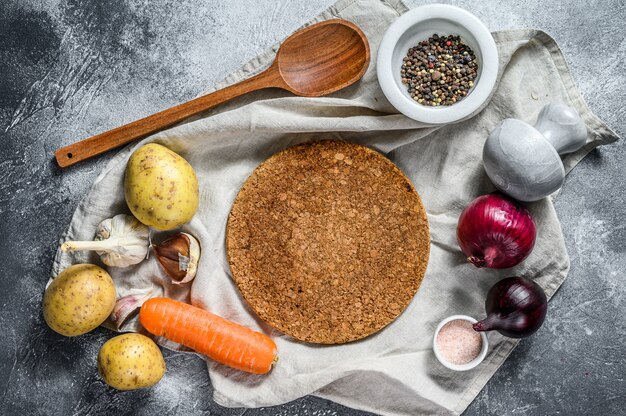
460 367
419 24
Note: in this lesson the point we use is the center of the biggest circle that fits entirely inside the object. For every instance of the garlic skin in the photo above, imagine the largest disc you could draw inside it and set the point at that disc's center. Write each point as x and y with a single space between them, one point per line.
120 241
179 256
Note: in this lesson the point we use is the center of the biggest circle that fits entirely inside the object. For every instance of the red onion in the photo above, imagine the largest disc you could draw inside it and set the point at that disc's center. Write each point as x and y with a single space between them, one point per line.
496 231
516 308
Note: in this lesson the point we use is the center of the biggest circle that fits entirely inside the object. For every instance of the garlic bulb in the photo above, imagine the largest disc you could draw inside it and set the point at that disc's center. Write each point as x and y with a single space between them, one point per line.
120 241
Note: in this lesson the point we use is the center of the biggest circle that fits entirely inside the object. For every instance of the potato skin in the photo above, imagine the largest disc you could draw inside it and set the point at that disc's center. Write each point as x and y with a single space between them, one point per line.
78 300
130 361
161 188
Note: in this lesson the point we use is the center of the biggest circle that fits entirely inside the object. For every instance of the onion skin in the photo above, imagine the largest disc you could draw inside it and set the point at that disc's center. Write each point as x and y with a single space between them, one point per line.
495 231
516 307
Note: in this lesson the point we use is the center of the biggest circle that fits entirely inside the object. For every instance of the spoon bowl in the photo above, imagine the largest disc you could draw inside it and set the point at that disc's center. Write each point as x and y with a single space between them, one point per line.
317 60
323 58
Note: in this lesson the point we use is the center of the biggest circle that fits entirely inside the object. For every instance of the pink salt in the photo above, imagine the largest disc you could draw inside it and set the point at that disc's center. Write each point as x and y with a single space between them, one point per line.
458 343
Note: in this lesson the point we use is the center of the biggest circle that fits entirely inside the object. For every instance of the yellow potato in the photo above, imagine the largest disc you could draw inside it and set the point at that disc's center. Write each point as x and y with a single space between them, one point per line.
78 300
161 187
130 361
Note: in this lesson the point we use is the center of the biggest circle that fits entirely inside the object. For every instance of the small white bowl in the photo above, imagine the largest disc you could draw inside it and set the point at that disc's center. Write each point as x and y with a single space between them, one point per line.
460 367
419 24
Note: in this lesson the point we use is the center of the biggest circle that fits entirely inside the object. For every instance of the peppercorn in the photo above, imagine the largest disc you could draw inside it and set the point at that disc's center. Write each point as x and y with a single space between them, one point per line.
439 71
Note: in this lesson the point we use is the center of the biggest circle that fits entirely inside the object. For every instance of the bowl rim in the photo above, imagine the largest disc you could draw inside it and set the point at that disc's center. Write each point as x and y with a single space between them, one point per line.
482 89
467 366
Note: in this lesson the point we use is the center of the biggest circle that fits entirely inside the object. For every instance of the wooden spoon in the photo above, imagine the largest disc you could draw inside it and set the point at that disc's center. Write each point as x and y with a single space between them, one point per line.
315 61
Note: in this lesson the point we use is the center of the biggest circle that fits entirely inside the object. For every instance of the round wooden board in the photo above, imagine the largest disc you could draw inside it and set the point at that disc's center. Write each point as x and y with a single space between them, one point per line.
328 241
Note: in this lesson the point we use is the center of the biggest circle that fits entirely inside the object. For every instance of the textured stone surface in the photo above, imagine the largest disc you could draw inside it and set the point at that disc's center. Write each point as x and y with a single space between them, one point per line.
72 68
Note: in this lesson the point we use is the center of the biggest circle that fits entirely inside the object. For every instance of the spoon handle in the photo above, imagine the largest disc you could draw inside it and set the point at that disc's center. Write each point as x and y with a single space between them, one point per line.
85 149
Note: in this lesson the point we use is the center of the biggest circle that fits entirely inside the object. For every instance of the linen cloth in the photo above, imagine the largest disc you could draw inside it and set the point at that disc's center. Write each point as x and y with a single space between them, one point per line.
393 372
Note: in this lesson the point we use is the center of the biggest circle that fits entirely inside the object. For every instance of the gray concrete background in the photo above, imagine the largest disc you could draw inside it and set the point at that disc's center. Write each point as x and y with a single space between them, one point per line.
73 68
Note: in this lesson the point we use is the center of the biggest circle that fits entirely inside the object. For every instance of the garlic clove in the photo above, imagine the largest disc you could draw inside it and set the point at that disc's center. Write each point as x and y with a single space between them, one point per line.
171 265
179 256
124 307
168 254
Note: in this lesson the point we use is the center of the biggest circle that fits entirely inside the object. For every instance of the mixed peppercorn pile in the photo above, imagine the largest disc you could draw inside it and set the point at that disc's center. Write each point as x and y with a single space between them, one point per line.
439 71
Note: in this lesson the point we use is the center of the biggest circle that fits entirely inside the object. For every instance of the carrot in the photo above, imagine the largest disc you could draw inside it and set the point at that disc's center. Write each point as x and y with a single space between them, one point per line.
221 340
